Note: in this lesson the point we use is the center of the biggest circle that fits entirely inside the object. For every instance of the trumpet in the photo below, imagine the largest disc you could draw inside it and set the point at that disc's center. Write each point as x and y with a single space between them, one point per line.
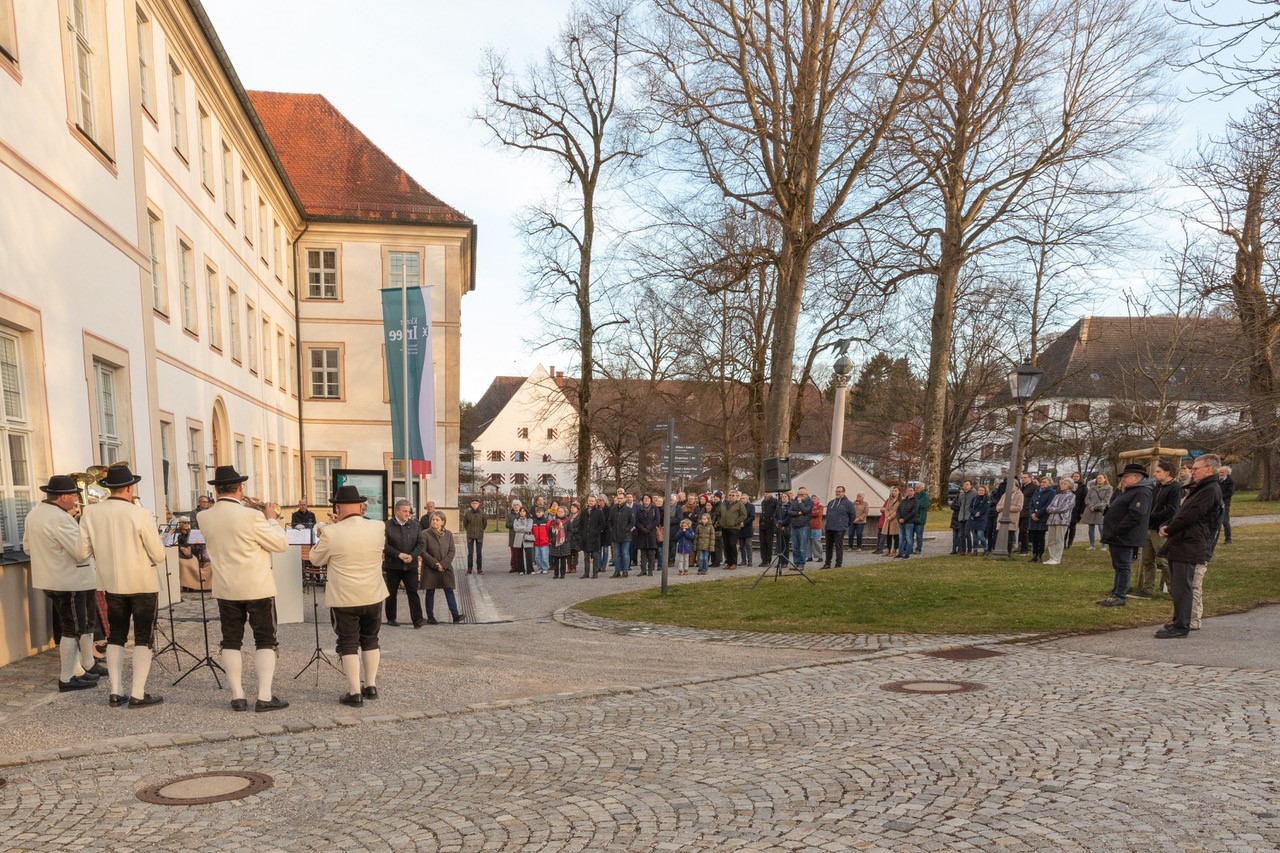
261 506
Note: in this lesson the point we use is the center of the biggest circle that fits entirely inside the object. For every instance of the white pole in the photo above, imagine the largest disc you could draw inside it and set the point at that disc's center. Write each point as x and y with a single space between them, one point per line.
404 399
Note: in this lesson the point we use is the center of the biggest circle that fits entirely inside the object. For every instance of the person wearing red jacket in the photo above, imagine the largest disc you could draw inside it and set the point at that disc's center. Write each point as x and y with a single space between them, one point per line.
541 540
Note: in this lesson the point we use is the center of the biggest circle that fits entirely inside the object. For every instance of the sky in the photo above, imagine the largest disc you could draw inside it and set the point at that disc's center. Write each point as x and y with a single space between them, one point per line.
405 73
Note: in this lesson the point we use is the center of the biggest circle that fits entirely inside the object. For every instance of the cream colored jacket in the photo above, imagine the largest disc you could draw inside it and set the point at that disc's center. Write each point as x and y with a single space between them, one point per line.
125 546
240 542
352 549
59 550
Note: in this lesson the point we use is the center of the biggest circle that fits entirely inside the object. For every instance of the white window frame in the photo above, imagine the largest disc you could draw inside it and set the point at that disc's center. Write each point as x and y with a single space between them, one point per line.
178 108
322 478
251 335
17 477
206 146
166 455
263 216
107 388
233 322
317 273
195 463
402 273
215 309
155 249
82 59
190 313
326 376
146 72
266 348
246 198
228 184
282 369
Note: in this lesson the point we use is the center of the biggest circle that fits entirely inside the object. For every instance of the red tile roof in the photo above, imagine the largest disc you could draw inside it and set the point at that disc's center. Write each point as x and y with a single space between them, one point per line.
337 171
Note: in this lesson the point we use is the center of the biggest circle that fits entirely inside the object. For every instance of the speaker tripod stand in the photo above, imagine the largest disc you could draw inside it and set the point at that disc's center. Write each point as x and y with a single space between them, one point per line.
207 660
178 648
782 566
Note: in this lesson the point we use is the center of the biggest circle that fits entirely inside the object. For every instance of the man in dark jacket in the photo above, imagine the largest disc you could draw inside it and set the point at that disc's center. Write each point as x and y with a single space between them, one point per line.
622 524
595 537
474 523
1165 496
908 511
400 555
1124 527
748 530
768 516
1228 487
839 517
1187 538
799 512
1081 489
1029 488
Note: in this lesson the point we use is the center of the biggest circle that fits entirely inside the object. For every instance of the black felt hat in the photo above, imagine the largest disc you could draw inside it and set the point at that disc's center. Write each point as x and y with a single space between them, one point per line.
119 476
226 475
1134 468
61 484
349 495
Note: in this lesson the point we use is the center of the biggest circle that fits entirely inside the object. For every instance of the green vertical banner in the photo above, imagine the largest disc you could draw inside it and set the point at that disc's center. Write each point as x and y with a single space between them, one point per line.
412 329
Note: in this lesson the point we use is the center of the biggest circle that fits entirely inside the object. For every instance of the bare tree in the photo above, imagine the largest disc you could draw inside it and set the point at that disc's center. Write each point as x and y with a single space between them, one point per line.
1236 44
569 110
1005 95
781 107
1237 178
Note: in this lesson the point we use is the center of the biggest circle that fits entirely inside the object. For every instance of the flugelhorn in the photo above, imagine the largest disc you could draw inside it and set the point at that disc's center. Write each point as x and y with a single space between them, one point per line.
259 505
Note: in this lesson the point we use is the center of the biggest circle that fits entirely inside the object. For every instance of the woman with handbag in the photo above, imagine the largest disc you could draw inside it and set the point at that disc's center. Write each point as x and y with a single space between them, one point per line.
437 568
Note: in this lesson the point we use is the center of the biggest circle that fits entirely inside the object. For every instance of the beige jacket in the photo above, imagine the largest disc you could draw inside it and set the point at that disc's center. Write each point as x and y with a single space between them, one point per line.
59 550
125 546
240 542
352 549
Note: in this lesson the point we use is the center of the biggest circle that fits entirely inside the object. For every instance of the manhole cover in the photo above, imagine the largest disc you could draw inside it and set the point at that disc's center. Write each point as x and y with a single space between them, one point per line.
931 687
201 788
964 653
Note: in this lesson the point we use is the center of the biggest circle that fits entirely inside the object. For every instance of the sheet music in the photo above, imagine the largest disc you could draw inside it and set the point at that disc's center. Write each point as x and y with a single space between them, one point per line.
195 537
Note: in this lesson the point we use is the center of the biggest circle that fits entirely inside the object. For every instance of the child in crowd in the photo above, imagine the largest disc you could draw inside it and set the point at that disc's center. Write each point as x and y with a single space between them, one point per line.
684 546
705 542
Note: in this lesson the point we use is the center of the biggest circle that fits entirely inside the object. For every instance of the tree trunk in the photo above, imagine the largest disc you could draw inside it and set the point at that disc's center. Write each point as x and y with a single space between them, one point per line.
793 266
586 355
942 329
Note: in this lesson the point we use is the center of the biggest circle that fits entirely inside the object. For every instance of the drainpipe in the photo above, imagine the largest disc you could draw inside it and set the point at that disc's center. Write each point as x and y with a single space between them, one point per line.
297 367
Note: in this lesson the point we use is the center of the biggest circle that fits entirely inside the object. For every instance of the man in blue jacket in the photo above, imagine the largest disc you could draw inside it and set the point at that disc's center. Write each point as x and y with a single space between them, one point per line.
799 513
839 517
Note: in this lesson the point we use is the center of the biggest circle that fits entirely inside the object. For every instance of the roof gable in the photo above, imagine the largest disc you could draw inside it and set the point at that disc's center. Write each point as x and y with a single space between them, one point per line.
339 174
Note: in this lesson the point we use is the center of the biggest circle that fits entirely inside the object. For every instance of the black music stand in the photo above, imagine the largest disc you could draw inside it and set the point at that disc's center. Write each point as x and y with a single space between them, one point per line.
178 648
782 561
207 660
319 654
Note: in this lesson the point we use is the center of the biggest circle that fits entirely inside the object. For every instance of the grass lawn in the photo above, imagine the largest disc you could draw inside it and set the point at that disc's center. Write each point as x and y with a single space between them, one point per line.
943 595
1247 503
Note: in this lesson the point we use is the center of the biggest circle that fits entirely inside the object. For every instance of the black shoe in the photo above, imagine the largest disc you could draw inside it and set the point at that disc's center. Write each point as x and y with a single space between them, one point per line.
1172 633
458 617
96 669
825 566
355 700
1111 601
1145 596
369 693
393 623
275 703
431 620
418 623
147 699
89 676
239 704
115 700
76 683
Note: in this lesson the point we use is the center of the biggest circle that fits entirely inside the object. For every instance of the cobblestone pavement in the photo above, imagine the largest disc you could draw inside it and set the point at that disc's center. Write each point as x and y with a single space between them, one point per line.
1054 752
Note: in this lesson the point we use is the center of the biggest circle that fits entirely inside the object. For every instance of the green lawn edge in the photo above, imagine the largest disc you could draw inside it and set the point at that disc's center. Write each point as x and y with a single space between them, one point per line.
949 595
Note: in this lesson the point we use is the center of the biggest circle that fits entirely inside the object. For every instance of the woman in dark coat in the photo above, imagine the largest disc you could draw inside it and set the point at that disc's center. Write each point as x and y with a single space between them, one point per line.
648 517
1038 521
577 525
437 567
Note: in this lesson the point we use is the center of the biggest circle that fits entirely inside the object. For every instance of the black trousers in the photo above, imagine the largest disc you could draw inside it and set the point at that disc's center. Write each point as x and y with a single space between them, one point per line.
718 551
730 539
1023 541
1181 578
70 612
1071 534
560 565
1037 538
408 577
835 542
138 607
475 551
260 613
767 534
356 627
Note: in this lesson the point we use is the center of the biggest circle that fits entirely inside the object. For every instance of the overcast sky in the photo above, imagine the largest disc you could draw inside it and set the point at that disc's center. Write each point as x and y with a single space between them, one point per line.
404 71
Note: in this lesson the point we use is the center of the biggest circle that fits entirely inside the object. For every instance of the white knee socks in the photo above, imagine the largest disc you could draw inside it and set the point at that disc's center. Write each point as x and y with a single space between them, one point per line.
141 667
233 663
371 659
86 651
351 669
115 669
69 655
264 661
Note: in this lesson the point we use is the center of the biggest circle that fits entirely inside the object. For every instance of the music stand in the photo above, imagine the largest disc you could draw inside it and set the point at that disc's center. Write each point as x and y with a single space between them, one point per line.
319 654
782 560
173 637
207 660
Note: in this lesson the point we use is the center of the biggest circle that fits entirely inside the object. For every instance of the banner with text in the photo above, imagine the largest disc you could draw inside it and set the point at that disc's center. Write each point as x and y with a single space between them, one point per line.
410 325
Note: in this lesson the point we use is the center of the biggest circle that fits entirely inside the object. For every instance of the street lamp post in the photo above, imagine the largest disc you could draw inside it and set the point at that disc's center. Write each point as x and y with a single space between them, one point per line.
1023 380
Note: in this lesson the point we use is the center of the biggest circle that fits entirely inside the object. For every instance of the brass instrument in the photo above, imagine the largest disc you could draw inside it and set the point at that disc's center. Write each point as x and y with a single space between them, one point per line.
90 481
260 506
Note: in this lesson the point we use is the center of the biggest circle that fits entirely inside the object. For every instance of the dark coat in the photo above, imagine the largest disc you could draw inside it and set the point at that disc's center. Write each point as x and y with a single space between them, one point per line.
978 512
511 531
437 549
558 537
401 540
799 512
578 531
1038 517
1164 503
473 522
1228 488
1191 528
768 512
749 526
1125 522
1082 491
621 523
647 519
596 530
839 514
306 519
908 510
1028 492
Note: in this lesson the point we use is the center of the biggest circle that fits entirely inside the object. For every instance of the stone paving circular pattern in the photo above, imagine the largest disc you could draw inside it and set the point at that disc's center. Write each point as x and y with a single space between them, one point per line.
1061 752
930 687
198 789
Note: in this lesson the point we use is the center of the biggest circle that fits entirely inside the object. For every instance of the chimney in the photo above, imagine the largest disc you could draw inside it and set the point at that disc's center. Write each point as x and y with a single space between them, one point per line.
551 371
